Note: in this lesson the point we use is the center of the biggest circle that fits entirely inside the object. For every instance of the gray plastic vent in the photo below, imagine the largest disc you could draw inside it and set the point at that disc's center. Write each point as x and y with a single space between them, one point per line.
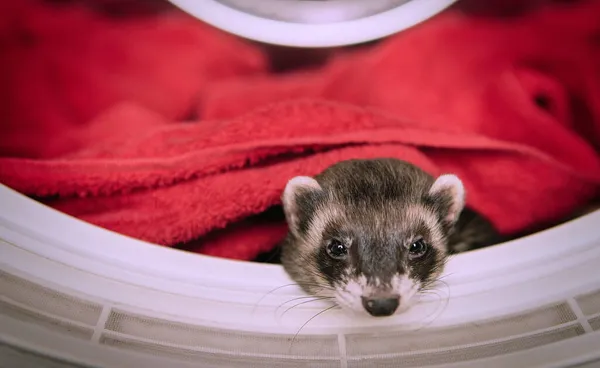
382 343
589 303
45 321
18 358
595 323
48 300
213 359
456 354
594 364
171 332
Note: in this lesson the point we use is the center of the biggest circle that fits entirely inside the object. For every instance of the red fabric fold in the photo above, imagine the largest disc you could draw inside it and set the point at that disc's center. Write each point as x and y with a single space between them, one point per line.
164 129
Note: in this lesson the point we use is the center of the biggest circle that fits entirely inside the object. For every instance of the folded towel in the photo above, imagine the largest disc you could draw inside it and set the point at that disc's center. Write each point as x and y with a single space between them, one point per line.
164 129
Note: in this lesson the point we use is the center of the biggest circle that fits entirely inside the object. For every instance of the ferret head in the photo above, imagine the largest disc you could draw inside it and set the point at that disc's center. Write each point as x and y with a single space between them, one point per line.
370 233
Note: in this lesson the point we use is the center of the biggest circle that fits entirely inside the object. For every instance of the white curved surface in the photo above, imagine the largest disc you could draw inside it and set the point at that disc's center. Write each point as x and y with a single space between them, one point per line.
116 290
342 32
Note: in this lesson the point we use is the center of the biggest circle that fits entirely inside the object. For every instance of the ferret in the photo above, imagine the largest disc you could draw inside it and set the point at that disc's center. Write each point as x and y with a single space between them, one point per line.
373 233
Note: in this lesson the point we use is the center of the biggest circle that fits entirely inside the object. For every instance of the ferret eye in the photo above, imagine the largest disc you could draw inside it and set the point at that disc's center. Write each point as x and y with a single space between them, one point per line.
336 249
417 249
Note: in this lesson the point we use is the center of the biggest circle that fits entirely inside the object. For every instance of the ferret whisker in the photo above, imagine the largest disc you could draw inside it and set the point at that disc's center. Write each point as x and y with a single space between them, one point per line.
299 298
445 276
436 292
284 286
442 301
446 287
305 302
427 324
307 322
434 284
269 293
430 292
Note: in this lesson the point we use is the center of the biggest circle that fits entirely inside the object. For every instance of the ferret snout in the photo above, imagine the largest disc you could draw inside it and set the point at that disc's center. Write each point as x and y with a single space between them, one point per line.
381 306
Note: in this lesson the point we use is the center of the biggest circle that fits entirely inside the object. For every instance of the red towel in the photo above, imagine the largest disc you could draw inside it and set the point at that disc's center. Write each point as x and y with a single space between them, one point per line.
167 130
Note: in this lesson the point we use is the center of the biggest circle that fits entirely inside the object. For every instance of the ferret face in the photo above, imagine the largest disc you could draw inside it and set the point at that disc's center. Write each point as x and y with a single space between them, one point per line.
370 233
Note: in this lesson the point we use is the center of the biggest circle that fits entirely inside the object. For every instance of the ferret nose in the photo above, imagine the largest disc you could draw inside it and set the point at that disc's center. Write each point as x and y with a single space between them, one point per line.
381 307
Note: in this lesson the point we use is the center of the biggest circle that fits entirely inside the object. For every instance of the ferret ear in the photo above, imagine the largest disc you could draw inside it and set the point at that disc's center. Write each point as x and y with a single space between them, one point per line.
296 188
448 191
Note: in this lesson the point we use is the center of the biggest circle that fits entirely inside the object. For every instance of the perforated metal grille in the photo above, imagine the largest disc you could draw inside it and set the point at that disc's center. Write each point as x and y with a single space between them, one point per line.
209 359
469 353
45 321
170 332
48 300
589 303
407 341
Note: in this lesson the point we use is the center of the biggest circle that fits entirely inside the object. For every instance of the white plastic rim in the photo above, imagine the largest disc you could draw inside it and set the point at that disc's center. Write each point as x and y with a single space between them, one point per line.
313 11
121 276
337 33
